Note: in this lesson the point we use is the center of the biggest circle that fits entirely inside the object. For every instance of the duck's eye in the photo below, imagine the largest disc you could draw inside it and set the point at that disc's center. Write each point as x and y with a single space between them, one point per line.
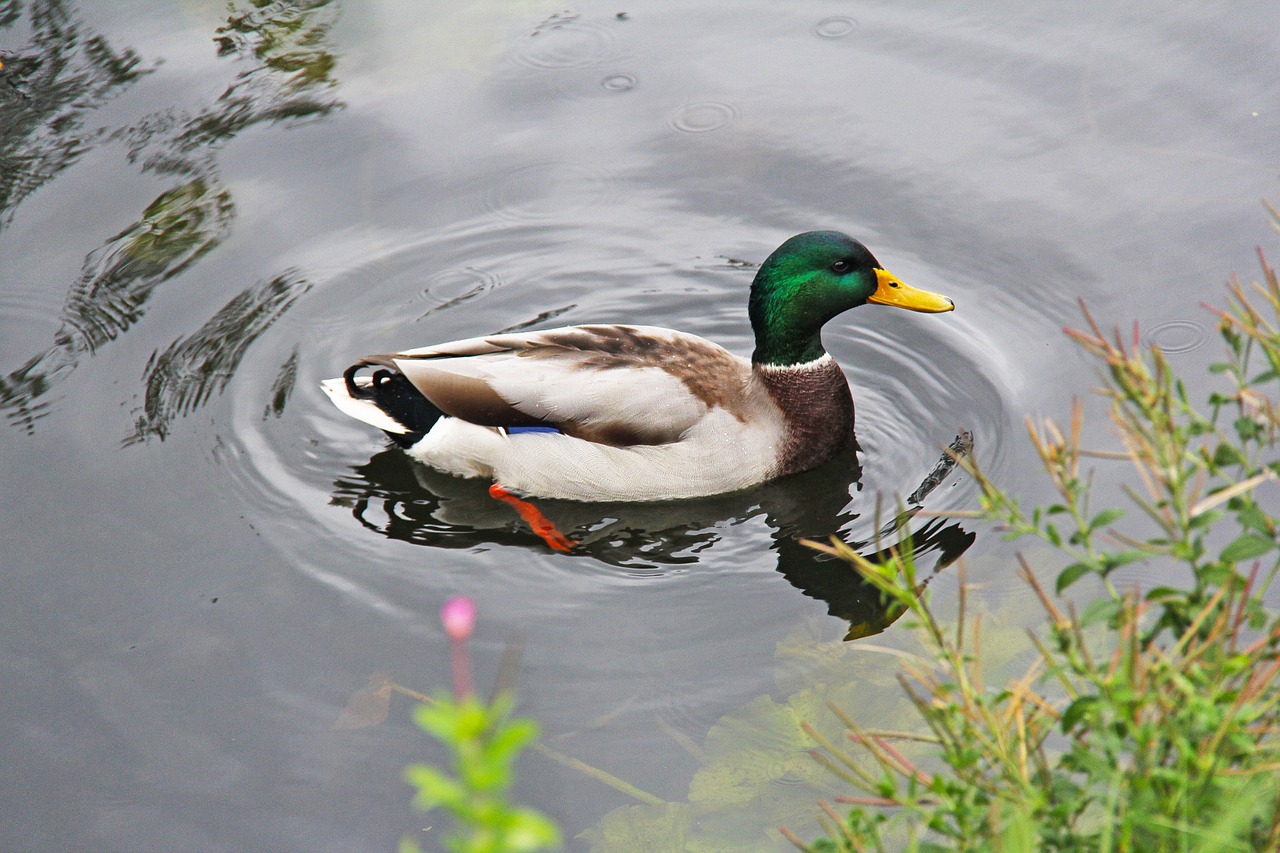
841 266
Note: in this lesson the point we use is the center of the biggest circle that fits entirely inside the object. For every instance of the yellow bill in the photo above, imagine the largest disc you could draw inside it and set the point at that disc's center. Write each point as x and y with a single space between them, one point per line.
891 291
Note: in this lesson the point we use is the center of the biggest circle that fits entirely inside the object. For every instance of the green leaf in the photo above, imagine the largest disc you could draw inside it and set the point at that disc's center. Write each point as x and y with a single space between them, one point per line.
1246 428
528 831
1216 574
1246 547
1104 609
513 737
438 719
1205 519
434 788
1020 835
1255 519
1071 574
1107 516
1115 559
472 719
1080 710
1165 594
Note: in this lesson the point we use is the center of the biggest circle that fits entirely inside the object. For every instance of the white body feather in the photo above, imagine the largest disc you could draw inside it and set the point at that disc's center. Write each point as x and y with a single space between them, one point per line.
561 466
717 438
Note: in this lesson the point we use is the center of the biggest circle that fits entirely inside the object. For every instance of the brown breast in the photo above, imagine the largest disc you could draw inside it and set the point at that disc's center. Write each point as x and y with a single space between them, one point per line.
818 407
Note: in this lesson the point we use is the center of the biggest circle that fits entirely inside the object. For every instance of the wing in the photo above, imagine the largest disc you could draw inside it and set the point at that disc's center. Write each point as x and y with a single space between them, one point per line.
618 385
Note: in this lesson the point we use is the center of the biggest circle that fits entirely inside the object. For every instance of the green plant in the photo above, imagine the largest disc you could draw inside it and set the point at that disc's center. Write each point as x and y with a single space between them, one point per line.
485 740
1147 721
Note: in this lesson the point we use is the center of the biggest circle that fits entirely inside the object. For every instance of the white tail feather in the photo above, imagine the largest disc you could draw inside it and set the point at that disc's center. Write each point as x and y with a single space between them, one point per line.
361 410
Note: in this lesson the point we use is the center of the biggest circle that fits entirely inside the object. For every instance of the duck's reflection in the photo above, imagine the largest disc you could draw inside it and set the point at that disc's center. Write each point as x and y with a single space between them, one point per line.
405 500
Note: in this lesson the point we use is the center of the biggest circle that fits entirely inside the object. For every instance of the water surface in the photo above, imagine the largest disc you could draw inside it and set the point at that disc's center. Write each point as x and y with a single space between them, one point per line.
205 210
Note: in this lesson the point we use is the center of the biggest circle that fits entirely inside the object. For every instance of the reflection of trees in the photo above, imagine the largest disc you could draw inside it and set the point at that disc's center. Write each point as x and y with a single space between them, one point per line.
56 80
115 283
184 376
289 76
402 499
282 387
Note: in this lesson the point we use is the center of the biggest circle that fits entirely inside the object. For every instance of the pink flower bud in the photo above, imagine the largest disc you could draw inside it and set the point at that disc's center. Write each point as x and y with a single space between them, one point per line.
459 617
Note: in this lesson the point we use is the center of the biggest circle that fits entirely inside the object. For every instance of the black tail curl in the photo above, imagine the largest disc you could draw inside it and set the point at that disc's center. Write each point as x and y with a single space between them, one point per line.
392 392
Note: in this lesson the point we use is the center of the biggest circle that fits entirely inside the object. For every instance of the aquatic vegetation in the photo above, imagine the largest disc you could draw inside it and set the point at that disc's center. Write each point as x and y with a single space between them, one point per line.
1150 718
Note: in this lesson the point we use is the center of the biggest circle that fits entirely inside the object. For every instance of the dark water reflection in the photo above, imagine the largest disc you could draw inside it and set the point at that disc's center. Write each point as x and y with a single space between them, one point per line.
189 371
55 80
64 74
404 500
206 209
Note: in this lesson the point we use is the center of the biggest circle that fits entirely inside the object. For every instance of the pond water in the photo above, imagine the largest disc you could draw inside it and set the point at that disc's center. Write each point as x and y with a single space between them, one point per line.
208 207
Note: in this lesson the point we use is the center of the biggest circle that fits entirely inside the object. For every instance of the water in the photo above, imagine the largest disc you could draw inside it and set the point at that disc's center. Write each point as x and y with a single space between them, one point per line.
204 212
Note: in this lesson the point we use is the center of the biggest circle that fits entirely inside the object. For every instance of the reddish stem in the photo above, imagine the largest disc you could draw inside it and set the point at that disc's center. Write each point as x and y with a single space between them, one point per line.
461 667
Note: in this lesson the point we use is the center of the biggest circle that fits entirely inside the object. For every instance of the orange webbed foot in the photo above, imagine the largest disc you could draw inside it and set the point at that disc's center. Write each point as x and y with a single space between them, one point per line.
541 525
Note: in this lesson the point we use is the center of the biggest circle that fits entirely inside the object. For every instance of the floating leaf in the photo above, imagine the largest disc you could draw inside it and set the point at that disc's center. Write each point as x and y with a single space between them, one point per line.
632 828
747 751
368 706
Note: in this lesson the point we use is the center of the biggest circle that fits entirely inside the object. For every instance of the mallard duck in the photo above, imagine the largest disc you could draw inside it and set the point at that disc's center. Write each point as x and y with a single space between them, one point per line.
639 413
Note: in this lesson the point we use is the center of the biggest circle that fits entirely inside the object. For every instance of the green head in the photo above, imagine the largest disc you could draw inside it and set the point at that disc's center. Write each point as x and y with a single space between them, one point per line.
813 277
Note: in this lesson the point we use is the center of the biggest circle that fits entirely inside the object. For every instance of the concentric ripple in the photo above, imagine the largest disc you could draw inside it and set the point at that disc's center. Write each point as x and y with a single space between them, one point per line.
618 83
345 504
908 407
546 191
703 117
451 287
835 27
563 41
1178 336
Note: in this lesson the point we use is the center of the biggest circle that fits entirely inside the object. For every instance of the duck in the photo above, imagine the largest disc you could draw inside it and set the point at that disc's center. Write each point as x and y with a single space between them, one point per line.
634 412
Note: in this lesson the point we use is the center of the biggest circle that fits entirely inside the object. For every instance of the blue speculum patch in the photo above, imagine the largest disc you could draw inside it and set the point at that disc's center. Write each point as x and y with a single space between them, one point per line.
515 430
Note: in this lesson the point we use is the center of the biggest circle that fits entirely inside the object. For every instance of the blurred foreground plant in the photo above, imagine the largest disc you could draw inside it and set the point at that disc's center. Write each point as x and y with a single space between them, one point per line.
485 740
1147 722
